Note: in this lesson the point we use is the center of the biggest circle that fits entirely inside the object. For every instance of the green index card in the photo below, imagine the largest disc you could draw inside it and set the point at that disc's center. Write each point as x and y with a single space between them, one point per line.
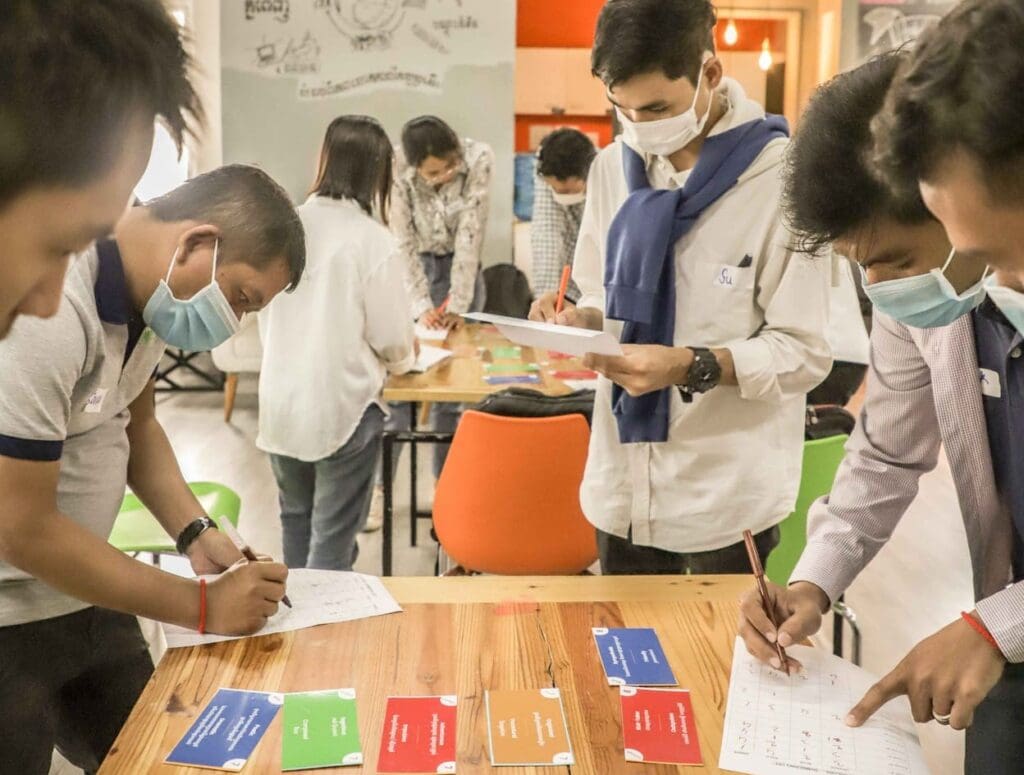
320 730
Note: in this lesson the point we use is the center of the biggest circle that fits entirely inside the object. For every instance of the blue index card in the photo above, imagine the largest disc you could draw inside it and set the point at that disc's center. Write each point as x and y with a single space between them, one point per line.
632 656
228 730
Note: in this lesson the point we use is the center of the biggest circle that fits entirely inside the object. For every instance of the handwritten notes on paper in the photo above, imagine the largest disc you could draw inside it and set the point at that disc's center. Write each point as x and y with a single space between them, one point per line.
430 357
779 725
318 597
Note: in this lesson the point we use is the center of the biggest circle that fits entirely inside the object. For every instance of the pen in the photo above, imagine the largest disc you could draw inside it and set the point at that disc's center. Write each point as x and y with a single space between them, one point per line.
563 286
236 538
755 564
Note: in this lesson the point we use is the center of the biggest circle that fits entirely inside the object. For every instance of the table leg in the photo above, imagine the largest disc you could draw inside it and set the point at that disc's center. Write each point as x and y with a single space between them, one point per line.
413 506
388 452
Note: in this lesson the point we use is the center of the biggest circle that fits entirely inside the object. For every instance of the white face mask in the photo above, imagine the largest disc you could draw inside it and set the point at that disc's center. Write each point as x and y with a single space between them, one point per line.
568 200
668 135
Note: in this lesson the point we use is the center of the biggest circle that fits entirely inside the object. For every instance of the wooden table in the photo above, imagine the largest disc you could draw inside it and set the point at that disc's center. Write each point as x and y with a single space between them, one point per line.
459 379
462 636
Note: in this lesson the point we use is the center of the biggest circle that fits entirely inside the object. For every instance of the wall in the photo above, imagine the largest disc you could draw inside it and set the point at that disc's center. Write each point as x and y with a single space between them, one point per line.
274 67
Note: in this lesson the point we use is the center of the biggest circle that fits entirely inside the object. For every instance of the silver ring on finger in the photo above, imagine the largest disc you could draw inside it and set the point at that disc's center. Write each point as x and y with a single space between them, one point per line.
942 718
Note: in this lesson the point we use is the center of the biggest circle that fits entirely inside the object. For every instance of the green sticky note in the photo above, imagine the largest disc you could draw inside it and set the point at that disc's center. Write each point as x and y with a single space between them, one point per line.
320 730
508 352
510 368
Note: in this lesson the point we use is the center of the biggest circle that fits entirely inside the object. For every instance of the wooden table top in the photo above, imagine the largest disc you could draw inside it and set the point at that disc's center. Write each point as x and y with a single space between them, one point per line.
462 636
460 379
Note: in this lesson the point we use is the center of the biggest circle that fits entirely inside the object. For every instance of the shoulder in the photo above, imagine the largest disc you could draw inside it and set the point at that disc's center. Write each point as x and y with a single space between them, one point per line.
478 154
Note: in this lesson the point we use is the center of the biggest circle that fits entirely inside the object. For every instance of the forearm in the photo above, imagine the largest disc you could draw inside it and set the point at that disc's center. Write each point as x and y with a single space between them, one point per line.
156 478
590 317
64 555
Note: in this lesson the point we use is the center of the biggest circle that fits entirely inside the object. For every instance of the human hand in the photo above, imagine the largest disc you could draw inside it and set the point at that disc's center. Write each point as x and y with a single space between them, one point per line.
643 368
212 552
543 311
432 318
242 598
798 609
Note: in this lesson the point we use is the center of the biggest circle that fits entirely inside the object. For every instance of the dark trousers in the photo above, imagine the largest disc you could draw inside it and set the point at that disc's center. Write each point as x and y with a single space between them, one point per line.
995 741
840 384
621 557
68 682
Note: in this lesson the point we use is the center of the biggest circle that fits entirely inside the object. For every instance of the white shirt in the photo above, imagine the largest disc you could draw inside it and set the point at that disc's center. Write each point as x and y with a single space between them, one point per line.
846 332
328 346
732 459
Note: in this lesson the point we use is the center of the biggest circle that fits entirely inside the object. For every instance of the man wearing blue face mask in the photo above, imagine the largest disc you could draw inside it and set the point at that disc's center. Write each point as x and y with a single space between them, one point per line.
78 423
698 428
929 386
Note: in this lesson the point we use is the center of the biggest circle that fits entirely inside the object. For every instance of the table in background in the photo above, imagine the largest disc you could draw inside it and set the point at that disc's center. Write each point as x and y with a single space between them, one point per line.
459 379
462 636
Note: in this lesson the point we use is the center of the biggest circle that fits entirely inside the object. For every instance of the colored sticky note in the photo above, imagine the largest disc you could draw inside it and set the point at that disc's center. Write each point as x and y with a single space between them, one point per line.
320 730
510 352
419 735
528 728
658 726
510 368
633 656
228 730
515 379
575 374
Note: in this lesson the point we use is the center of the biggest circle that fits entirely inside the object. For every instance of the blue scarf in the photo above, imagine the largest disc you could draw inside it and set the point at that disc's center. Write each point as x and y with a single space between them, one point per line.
639 274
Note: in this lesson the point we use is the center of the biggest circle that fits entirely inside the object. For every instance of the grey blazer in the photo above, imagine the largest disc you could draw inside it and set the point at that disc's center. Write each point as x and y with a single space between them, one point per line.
923 390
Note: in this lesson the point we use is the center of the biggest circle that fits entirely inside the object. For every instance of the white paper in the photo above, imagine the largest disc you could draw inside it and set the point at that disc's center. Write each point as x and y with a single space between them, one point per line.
425 334
430 356
318 597
547 336
780 725
580 384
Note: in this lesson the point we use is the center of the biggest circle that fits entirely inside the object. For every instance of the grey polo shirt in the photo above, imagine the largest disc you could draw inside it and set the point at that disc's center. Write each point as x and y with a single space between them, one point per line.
65 387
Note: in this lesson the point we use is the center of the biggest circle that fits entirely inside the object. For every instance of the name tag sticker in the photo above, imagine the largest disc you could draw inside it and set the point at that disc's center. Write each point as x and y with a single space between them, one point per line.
725 277
94 403
990 383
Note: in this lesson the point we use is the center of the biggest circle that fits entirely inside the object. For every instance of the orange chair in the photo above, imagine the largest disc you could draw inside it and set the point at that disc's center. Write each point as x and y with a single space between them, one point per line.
508 499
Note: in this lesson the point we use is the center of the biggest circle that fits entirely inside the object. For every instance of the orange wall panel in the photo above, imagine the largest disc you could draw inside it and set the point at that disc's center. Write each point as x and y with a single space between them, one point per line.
557 23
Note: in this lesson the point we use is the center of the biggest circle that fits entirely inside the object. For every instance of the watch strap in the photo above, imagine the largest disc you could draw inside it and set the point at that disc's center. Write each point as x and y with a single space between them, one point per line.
192 531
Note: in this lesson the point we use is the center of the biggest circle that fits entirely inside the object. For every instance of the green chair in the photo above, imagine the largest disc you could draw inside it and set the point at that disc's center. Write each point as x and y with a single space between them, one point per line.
821 461
136 530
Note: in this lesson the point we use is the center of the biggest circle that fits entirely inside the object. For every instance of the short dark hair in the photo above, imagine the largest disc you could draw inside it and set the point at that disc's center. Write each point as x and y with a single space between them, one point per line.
961 88
356 162
830 188
565 153
428 136
643 36
256 218
73 74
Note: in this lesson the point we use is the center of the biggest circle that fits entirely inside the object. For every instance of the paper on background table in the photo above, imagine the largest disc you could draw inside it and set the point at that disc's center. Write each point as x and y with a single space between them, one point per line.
431 334
580 384
783 725
430 356
547 336
318 597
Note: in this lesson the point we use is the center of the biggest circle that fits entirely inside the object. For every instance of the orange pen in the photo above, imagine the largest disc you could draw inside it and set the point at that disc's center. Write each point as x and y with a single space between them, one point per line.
563 286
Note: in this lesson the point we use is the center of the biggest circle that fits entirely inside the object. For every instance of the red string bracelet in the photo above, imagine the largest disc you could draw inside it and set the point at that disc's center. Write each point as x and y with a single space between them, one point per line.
202 606
980 628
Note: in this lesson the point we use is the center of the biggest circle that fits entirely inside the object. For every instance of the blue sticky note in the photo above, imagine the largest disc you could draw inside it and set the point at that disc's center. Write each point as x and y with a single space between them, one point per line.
632 656
518 379
228 730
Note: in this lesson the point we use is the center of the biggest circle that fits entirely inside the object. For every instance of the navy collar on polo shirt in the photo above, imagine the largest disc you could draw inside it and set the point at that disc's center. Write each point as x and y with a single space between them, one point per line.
113 301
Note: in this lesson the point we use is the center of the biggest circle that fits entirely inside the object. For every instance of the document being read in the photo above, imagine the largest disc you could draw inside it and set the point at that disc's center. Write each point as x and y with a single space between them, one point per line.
781 725
318 597
547 336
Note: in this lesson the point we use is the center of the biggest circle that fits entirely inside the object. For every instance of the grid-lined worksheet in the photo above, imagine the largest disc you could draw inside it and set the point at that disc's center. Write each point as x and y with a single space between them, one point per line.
778 725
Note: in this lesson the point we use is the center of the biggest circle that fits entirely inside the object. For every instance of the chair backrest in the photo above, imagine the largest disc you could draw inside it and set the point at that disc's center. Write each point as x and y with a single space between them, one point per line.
821 461
508 291
508 502
137 530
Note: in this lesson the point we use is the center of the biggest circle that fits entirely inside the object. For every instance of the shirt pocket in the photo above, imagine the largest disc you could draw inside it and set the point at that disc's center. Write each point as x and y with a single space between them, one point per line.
716 301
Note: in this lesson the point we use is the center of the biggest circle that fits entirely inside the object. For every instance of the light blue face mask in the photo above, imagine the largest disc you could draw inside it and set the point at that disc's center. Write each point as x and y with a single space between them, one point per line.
926 300
1009 301
197 324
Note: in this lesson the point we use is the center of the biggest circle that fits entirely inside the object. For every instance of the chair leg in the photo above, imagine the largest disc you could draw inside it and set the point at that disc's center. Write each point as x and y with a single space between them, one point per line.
230 389
843 613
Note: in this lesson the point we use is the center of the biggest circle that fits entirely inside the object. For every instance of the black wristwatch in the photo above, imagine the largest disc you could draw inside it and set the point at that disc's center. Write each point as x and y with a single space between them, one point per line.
704 374
192 531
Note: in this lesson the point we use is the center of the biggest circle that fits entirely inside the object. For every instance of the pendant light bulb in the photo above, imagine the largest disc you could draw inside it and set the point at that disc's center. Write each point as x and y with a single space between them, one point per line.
731 34
765 61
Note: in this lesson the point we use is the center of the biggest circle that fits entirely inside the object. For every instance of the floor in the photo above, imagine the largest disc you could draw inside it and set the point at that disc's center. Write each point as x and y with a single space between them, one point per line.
918 583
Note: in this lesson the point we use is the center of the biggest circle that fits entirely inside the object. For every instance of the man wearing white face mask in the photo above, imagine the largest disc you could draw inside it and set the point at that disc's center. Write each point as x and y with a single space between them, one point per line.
78 423
559 191
698 428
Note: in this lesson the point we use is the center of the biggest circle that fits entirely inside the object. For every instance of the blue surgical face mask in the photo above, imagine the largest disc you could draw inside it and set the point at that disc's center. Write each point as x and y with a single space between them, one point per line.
197 324
924 301
1009 301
